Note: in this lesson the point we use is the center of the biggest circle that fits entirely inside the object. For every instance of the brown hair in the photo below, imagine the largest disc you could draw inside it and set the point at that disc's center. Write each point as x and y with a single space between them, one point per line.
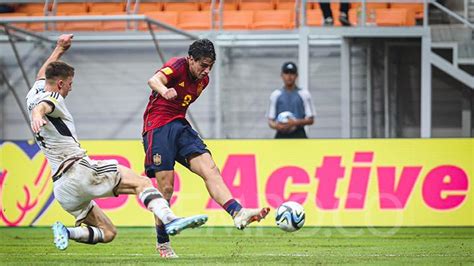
59 69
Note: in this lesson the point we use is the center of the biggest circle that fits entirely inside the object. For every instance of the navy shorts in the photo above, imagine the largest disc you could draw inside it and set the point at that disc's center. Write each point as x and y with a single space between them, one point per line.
175 141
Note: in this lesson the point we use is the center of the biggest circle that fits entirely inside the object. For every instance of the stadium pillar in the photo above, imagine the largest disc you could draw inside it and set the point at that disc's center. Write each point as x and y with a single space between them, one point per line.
303 58
426 84
369 90
466 113
345 88
217 92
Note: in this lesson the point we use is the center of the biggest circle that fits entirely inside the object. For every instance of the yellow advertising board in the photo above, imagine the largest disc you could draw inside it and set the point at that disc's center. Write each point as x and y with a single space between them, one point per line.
377 182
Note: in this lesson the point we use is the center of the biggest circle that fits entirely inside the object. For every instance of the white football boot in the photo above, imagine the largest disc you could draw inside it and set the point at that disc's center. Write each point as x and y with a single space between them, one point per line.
166 251
247 216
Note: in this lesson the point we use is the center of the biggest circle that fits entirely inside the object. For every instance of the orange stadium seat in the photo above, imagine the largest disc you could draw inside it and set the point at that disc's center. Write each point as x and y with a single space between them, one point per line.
228 5
116 25
31 8
39 26
273 19
80 26
369 6
237 20
181 7
71 8
106 8
194 20
286 5
395 17
417 8
16 14
353 19
256 5
149 7
314 17
290 4
168 17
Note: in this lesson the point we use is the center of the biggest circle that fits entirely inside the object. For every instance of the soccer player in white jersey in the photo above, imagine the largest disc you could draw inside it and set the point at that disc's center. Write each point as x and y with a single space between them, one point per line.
77 179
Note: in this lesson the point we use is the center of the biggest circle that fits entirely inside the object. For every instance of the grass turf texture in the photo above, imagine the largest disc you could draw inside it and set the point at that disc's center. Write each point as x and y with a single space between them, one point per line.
255 245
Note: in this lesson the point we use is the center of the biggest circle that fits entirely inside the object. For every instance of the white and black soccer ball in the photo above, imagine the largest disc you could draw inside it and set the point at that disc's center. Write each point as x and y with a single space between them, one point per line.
283 117
290 216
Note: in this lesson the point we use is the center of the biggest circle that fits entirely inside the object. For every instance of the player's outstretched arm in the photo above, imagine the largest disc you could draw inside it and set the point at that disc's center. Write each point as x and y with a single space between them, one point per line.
63 43
158 83
37 116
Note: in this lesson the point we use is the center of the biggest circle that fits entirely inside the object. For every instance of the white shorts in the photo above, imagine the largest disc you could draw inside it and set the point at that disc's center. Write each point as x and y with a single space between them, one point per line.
84 181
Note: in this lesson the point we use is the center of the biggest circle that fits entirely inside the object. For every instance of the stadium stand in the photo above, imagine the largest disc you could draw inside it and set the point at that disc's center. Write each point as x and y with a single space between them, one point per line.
273 19
68 8
148 7
33 8
106 8
237 20
181 7
194 20
256 5
260 29
168 17
395 17
417 8
235 15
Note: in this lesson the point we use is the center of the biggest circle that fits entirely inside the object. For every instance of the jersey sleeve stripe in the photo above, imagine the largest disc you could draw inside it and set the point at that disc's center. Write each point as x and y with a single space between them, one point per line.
60 126
50 104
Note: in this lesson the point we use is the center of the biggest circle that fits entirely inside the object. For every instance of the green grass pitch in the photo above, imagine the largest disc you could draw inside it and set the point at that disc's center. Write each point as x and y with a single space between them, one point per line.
255 245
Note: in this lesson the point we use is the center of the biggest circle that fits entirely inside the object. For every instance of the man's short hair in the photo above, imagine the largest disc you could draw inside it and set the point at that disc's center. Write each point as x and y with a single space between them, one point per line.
59 69
202 48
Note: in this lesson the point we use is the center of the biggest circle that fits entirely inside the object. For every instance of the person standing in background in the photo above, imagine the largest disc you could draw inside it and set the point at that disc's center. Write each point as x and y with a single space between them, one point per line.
291 107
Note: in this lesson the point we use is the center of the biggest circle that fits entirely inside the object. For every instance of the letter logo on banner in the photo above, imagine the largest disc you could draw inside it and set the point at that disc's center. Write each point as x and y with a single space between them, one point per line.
25 191
439 182
393 182
392 196
359 180
276 184
245 190
328 175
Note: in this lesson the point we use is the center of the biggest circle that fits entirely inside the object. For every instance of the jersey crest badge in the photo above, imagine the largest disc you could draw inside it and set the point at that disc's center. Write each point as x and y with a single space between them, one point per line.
156 159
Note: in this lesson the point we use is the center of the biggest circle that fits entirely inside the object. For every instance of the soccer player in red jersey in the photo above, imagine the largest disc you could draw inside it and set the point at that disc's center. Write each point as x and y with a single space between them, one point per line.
168 137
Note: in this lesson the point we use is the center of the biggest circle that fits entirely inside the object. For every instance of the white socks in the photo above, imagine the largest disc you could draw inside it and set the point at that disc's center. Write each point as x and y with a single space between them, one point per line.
155 202
87 234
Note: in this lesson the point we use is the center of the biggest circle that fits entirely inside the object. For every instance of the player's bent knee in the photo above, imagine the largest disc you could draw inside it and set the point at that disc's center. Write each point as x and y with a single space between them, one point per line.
143 183
109 234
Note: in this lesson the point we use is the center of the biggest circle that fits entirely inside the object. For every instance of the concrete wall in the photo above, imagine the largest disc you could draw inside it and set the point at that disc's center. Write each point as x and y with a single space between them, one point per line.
110 90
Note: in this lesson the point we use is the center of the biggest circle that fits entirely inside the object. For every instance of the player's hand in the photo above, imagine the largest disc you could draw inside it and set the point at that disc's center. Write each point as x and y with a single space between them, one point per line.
65 41
37 123
292 123
282 127
170 94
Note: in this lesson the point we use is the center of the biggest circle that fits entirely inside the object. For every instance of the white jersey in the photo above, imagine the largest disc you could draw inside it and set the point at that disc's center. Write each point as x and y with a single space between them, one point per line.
57 139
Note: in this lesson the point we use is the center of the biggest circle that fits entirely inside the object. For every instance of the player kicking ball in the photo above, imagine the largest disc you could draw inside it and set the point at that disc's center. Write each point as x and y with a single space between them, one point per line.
78 179
168 137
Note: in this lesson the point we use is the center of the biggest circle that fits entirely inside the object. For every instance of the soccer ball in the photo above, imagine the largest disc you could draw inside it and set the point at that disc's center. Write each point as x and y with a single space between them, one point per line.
283 117
290 216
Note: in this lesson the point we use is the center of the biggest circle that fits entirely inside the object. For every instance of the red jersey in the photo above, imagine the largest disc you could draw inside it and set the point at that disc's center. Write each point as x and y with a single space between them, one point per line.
160 111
